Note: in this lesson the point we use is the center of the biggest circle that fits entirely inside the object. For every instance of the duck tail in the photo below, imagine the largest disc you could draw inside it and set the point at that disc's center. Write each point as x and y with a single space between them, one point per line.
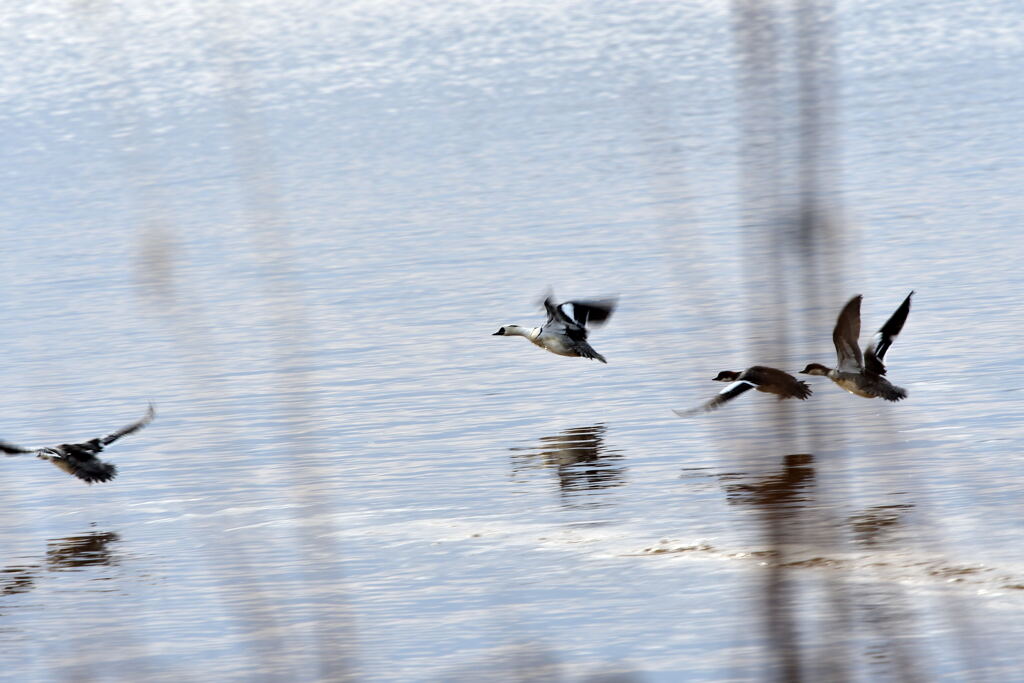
803 390
894 393
585 350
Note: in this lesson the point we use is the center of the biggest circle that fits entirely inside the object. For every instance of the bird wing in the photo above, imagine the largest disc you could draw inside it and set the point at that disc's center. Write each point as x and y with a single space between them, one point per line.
884 338
11 449
845 335
585 313
730 392
775 381
133 427
80 461
552 309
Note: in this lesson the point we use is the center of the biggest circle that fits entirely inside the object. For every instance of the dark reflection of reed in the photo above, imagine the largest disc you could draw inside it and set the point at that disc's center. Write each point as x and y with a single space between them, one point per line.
581 461
795 254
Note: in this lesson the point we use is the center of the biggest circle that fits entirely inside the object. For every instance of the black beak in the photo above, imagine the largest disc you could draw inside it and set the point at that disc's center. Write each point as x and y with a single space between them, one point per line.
499 333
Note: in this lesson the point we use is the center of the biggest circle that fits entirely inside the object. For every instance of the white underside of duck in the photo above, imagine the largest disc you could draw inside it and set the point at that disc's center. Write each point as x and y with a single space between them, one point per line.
565 332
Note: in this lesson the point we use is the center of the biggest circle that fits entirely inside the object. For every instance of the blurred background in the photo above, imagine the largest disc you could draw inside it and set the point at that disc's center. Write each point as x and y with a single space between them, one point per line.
293 227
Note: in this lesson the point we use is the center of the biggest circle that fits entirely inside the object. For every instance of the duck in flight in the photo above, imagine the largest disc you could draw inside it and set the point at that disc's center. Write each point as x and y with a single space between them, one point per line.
79 459
760 377
863 374
565 331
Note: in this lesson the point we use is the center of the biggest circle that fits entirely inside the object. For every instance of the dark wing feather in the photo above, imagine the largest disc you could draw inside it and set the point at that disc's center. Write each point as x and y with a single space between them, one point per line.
124 431
884 338
730 392
778 382
80 461
552 310
845 336
585 313
577 334
11 449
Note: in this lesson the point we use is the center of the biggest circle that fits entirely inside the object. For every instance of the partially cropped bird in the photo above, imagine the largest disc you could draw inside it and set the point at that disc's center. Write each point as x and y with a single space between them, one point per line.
760 377
863 375
79 459
565 331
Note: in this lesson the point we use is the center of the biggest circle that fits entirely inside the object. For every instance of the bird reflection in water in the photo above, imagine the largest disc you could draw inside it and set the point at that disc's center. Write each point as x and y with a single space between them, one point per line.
787 488
87 550
580 459
62 554
879 525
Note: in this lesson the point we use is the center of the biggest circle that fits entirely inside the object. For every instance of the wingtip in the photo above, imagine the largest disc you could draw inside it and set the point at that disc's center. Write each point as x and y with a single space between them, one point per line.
692 411
547 297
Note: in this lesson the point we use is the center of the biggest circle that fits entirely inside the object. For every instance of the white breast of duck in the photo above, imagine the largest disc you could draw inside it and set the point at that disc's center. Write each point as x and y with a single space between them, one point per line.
554 342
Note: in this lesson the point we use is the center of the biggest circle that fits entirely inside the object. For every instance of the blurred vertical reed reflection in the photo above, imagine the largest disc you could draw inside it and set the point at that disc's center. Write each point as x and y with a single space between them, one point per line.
792 261
326 632
794 266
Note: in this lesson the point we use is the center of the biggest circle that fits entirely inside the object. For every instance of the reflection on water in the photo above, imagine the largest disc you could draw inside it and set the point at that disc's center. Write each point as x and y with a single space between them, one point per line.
785 488
580 460
17 579
882 553
876 525
288 226
62 554
75 552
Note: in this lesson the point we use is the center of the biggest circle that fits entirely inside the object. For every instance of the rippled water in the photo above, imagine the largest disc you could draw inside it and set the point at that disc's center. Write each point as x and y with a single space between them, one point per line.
294 227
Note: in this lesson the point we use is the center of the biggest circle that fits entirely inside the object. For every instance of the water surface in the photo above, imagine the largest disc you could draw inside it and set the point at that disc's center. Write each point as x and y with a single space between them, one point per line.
294 227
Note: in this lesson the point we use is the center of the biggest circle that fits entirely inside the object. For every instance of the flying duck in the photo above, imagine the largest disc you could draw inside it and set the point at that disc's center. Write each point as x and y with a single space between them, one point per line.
79 459
863 375
760 377
565 331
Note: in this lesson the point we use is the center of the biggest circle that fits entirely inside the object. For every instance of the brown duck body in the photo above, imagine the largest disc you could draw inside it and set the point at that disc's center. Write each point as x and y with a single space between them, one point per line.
774 381
760 377
863 374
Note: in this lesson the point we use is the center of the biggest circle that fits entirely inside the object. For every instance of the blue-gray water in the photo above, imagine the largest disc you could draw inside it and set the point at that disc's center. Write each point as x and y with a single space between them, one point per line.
293 226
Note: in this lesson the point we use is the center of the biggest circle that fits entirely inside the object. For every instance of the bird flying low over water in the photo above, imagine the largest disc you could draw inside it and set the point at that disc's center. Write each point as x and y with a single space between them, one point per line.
79 459
760 377
863 375
565 331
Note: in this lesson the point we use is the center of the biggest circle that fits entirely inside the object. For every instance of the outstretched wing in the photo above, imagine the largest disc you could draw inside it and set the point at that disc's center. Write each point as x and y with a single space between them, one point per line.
133 427
884 338
845 336
730 392
585 313
11 449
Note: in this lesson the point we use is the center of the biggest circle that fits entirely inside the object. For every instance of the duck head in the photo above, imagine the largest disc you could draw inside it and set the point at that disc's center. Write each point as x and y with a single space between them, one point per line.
727 376
814 369
511 330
